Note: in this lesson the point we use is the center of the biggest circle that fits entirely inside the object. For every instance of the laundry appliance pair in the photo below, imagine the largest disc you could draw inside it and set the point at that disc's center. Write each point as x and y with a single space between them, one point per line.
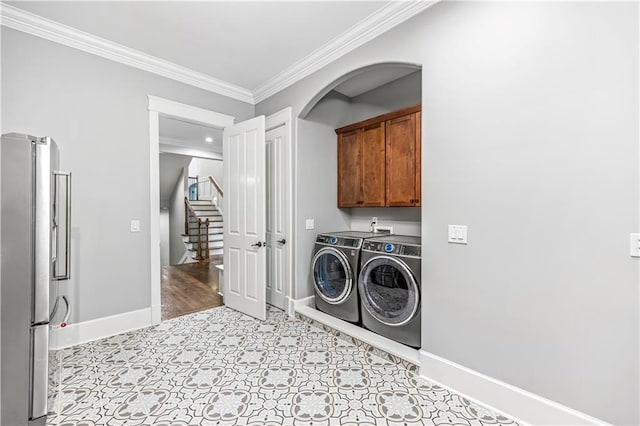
370 280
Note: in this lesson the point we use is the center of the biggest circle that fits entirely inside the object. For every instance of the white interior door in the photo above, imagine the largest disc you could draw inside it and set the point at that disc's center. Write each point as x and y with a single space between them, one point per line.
244 225
276 217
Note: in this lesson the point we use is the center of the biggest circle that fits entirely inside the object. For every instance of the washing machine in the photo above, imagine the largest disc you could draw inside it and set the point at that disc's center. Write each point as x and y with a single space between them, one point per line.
389 287
334 268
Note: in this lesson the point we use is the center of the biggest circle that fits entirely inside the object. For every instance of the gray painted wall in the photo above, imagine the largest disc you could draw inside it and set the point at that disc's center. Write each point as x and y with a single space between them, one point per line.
164 238
96 110
316 195
530 137
176 219
404 220
398 94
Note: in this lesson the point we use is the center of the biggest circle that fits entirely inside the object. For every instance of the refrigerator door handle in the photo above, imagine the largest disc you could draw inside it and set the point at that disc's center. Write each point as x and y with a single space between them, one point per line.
39 371
66 275
65 320
67 311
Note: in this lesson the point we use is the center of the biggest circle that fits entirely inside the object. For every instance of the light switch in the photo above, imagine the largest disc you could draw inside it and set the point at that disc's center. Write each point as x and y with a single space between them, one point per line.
310 224
457 234
135 225
634 245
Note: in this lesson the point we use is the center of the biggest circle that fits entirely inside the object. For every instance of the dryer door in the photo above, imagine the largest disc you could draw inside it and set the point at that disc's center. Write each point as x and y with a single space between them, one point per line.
389 291
332 275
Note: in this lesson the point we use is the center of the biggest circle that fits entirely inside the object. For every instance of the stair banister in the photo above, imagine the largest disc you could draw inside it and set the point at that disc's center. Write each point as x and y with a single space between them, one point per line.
218 188
189 209
216 185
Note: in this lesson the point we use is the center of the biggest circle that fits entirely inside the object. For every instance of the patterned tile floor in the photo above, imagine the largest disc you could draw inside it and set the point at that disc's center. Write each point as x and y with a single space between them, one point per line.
219 367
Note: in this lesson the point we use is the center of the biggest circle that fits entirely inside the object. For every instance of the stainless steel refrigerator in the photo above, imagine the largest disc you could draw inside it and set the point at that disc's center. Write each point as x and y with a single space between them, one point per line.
35 226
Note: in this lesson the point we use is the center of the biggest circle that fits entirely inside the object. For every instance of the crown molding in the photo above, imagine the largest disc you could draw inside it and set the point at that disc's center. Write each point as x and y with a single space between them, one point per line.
380 21
21 20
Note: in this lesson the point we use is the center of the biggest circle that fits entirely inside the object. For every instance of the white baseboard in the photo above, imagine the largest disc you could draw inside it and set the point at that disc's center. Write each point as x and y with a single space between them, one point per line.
523 406
288 304
87 331
297 303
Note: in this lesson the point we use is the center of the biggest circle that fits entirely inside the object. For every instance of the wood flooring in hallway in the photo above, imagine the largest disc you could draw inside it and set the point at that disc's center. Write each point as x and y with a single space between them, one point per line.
189 288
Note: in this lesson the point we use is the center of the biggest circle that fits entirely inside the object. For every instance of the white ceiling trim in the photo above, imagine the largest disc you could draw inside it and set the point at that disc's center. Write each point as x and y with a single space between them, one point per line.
382 20
377 23
21 20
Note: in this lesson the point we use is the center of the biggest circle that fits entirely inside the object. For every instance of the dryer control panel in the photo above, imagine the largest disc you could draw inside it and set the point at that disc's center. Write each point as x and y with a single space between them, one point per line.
397 249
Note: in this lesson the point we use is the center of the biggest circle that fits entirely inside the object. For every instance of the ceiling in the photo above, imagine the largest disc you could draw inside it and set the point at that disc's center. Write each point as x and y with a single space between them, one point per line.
190 135
243 43
372 79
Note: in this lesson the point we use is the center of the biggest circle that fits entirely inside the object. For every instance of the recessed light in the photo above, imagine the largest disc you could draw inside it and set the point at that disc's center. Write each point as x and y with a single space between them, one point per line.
208 139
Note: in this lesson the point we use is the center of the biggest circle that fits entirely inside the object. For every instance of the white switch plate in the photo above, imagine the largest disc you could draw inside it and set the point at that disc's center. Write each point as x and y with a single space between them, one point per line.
310 224
634 245
457 234
135 225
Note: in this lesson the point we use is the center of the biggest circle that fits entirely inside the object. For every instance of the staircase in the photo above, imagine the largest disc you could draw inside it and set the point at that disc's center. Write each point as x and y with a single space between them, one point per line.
210 237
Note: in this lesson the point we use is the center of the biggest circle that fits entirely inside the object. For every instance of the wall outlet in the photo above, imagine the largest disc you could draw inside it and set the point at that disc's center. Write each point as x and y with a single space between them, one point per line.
457 234
135 225
634 245
309 224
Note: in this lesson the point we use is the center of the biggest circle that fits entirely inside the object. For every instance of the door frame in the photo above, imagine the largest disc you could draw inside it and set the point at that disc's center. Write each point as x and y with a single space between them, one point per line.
160 107
284 117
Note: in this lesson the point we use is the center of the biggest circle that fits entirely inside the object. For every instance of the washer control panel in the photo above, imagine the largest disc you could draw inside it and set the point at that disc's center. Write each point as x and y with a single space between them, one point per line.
333 240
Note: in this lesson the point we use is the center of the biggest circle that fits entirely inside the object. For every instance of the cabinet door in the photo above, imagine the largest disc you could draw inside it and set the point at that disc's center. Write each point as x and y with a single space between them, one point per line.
401 161
349 169
373 166
418 193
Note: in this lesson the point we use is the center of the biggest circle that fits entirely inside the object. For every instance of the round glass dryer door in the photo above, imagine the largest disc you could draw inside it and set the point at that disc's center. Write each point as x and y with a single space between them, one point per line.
331 275
389 291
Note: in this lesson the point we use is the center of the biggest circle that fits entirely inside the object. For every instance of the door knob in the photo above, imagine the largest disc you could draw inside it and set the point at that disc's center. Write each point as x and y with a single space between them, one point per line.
257 245
282 241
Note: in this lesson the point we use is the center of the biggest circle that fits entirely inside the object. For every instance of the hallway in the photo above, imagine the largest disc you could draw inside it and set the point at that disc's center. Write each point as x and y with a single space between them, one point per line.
190 287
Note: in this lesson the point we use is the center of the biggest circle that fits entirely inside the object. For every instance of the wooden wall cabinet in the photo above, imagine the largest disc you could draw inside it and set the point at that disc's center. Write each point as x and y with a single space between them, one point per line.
379 161
361 174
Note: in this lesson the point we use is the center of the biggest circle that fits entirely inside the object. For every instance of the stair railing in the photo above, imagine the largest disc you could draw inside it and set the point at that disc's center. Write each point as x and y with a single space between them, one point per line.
220 193
192 185
202 252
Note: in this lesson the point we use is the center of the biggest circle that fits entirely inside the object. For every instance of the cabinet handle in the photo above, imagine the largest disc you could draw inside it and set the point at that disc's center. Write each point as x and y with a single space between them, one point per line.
359 202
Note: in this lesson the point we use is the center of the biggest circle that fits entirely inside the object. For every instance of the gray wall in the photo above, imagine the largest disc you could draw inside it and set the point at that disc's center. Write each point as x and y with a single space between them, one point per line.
96 110
176 219
398 94
164 238
316 197
404 220
530 137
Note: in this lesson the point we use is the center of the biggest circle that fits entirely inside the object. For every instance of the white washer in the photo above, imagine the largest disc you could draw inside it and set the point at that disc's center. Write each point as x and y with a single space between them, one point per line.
389 286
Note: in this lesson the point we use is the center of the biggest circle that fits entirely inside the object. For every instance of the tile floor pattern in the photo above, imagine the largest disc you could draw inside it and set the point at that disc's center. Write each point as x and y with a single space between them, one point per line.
220 367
